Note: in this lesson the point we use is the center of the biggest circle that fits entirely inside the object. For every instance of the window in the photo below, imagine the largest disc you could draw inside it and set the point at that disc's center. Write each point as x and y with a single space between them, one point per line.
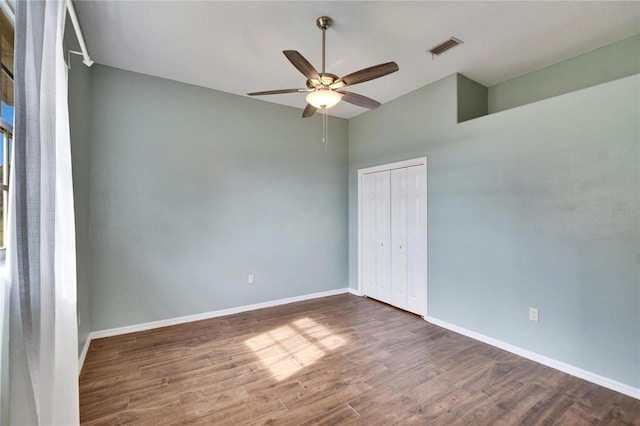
6 114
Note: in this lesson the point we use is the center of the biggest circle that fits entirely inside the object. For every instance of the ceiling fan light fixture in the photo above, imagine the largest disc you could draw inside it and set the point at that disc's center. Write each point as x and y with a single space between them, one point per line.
325 89
323 98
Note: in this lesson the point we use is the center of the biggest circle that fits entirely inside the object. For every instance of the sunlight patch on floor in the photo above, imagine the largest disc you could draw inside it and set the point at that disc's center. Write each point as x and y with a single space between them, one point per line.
299 343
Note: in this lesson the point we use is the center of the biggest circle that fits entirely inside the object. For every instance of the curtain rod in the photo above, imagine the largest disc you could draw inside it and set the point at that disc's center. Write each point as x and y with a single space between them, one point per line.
76 26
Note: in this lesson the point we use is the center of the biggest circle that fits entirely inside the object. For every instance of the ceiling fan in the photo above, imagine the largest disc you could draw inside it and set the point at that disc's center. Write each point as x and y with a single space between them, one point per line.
324 89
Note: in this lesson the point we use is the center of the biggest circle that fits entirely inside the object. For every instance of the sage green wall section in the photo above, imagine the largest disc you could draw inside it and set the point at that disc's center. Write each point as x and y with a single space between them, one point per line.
537 206
472 99
193 189
80 129
608 63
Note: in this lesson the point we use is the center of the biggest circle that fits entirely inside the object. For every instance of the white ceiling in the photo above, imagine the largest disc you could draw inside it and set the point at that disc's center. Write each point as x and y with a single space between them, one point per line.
236 46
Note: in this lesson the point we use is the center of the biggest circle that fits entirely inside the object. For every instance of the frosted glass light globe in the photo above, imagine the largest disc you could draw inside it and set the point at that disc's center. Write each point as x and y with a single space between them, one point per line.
323 98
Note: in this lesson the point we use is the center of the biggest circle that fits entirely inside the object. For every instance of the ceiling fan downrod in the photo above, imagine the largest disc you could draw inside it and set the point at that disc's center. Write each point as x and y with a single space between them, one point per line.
324 22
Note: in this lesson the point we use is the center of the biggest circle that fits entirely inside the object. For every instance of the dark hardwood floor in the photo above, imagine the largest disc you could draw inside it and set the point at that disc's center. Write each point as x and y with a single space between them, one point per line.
338 360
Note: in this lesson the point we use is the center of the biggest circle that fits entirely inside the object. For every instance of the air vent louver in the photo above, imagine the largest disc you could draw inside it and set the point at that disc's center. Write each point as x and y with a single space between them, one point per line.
443 47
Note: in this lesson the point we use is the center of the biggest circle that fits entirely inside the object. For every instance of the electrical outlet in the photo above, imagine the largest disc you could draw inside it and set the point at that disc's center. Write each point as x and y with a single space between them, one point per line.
533 314
250 279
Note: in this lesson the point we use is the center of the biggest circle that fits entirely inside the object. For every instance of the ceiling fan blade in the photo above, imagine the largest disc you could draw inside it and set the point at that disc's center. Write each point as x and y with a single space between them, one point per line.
363 101
277 92
309 110
301 64
366 74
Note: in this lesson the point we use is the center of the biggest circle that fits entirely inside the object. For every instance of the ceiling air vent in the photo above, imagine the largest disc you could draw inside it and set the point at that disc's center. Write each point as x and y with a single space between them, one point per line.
443 47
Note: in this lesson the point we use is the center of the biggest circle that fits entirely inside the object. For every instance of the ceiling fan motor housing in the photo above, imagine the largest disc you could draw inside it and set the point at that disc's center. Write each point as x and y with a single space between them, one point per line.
326 80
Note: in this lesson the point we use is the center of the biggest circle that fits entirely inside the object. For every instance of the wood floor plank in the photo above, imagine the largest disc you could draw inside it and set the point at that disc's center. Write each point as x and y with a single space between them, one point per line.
597 402
341 415
565 391
428 410
547 410
376 408
625 411
576 416
508 407
337 360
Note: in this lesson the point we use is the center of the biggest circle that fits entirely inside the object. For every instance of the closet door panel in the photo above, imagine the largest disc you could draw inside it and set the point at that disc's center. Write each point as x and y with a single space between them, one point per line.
417 238
369 235
383 224
399 238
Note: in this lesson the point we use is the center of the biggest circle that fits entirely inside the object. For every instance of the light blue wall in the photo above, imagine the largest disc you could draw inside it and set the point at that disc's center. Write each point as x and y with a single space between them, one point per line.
80 132
537 206
192 189
608 63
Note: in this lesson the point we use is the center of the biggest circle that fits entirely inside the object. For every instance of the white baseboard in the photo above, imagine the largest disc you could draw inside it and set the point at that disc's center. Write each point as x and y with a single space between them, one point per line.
83 354
354 291
206 315
549 362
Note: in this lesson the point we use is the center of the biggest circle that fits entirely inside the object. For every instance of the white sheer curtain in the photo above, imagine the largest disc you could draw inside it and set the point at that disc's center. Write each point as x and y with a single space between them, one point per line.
41 265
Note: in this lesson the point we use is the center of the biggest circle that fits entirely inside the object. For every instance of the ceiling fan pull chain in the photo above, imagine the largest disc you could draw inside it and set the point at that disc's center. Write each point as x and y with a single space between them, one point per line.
325 128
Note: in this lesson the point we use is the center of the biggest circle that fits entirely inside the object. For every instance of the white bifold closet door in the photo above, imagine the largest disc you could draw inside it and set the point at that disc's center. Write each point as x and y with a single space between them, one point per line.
417 239
377 235
369 235
394 237
399 238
